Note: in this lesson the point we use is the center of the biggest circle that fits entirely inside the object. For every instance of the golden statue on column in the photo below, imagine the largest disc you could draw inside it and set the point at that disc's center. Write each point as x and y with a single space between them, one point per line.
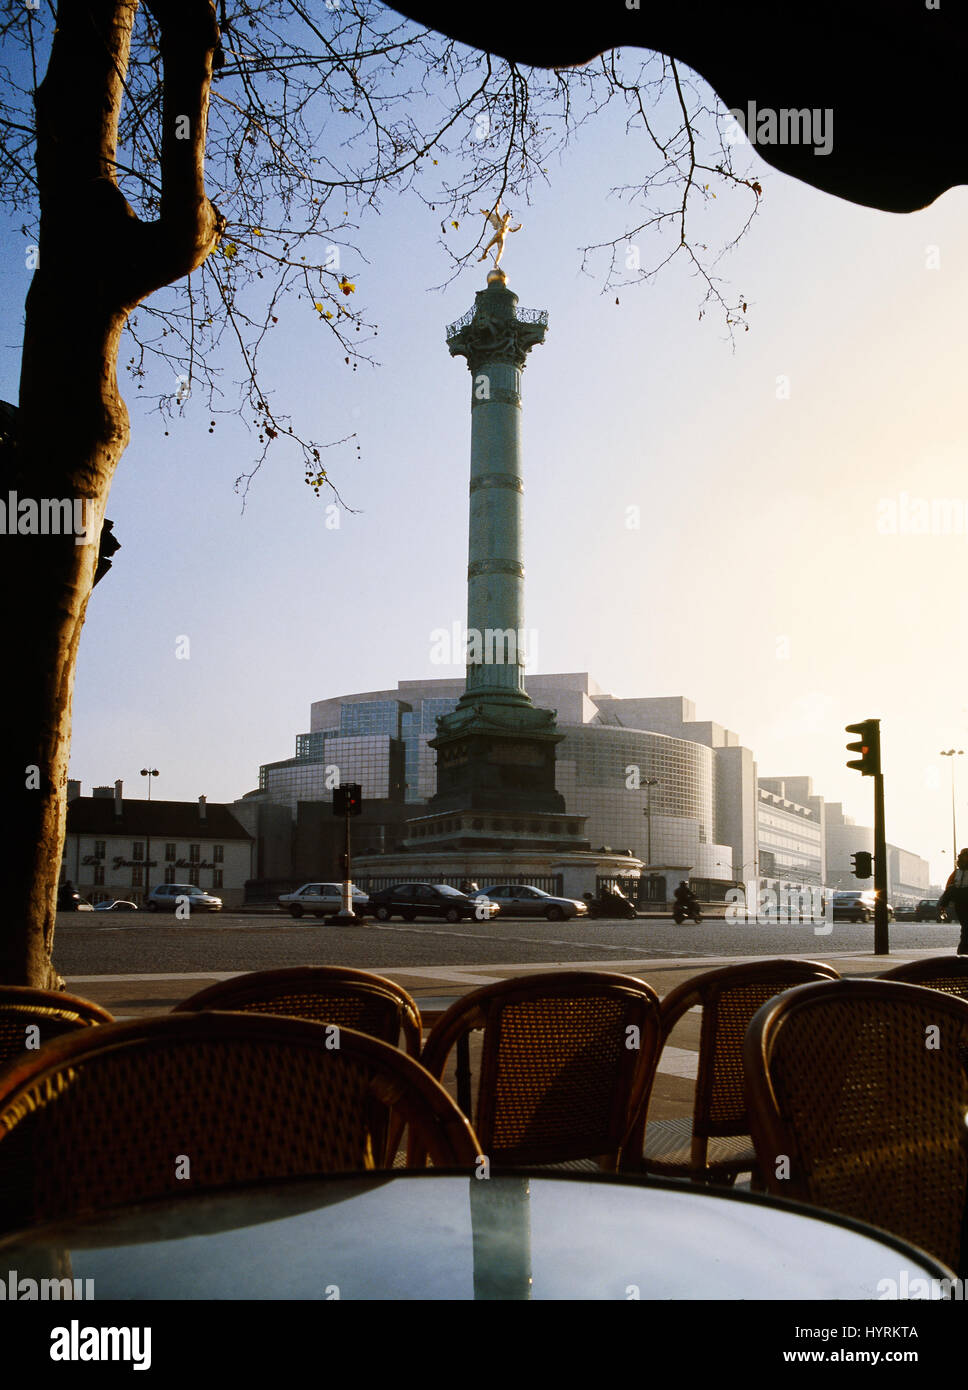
501 222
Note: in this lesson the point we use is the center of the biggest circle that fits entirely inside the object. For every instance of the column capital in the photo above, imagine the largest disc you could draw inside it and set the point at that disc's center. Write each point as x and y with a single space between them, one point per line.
496 330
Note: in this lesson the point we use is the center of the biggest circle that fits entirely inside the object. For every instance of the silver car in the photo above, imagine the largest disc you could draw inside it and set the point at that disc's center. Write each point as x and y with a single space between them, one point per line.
165 898
321 899
521 900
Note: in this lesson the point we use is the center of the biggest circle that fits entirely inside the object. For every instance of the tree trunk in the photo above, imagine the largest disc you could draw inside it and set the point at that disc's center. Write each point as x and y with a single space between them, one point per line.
72 430
97 261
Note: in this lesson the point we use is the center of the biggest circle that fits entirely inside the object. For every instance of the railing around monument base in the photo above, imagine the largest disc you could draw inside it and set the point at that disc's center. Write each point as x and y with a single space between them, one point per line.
550 883
264 891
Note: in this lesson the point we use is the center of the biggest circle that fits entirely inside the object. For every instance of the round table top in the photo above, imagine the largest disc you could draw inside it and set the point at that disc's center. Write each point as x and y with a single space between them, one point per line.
432 1235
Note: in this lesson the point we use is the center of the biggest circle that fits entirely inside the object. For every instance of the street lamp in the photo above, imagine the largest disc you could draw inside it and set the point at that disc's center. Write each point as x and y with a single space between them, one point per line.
148 772
953 753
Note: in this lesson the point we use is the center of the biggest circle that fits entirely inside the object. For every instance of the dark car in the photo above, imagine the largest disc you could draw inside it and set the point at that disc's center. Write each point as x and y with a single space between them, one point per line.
927 910
413 900
857 905
119 905
854 906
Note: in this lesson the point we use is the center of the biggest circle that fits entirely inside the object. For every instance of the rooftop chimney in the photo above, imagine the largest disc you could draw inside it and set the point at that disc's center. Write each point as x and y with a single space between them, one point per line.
117 797
73 789
201 808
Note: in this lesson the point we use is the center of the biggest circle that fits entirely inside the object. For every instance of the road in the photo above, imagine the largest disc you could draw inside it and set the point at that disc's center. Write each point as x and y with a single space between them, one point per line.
135 944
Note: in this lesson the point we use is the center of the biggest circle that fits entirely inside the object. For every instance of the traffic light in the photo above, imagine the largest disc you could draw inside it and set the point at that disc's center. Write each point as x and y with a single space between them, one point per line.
347 800
868 746
862 863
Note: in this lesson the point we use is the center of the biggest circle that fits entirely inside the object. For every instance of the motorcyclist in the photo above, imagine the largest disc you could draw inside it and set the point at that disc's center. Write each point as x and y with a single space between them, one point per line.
67 897
686 902
610 902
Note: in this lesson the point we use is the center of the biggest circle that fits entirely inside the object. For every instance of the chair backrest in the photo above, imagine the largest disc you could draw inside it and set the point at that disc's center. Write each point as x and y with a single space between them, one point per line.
567 1062
729 997
31 1017
323 994
195 1102
947 973
858 1096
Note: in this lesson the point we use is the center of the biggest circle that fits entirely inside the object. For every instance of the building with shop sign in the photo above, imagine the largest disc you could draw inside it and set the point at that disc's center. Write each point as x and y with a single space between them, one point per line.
119 848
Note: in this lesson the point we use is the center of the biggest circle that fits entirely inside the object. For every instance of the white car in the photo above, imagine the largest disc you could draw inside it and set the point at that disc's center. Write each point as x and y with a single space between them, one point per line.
321 899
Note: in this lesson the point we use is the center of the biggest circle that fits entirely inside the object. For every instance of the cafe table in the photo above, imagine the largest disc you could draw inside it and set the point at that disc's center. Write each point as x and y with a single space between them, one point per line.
443 1235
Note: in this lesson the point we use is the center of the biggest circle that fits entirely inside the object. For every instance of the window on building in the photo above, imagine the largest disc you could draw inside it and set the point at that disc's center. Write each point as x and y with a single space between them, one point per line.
194 853
98 873
218 853
99 849
216 878
136 876
170 853
138 849
170 873
193 875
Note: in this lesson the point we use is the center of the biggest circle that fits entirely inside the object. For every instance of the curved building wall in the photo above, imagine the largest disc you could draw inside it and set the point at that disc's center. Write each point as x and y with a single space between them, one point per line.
367 759
601 767
602 771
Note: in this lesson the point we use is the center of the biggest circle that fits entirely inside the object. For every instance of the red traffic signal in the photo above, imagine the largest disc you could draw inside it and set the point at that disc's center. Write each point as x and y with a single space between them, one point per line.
347 800
868 746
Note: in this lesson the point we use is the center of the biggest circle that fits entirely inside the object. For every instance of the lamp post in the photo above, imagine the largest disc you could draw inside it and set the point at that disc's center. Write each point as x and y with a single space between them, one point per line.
148 772
953 753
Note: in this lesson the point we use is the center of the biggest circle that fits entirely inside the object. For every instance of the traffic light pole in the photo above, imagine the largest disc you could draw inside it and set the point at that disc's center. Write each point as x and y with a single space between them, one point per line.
346 803
881 944
868 745
346 915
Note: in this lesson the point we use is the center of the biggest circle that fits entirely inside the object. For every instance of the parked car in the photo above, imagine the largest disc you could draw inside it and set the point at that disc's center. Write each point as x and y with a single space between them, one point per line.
321 899
927 910
413 900
118 905
857 905
521 900
165 897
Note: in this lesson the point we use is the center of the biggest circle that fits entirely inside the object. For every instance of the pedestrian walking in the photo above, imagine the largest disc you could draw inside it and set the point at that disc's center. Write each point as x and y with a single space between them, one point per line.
956 893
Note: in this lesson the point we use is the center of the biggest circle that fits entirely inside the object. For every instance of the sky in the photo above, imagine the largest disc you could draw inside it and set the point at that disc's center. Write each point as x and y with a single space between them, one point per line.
786 573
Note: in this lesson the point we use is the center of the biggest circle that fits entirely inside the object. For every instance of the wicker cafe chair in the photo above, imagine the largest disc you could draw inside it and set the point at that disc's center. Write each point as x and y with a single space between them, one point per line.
562 1076
106 1118
863 1086
947 973
324 994
51 1012
714 1145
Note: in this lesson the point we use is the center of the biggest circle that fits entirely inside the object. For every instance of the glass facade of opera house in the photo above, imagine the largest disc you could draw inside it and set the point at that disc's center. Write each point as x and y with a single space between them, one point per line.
690 818
706 813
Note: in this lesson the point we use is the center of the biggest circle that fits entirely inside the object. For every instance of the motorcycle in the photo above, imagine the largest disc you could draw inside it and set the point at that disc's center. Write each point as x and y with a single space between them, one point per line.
687 909
611 902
